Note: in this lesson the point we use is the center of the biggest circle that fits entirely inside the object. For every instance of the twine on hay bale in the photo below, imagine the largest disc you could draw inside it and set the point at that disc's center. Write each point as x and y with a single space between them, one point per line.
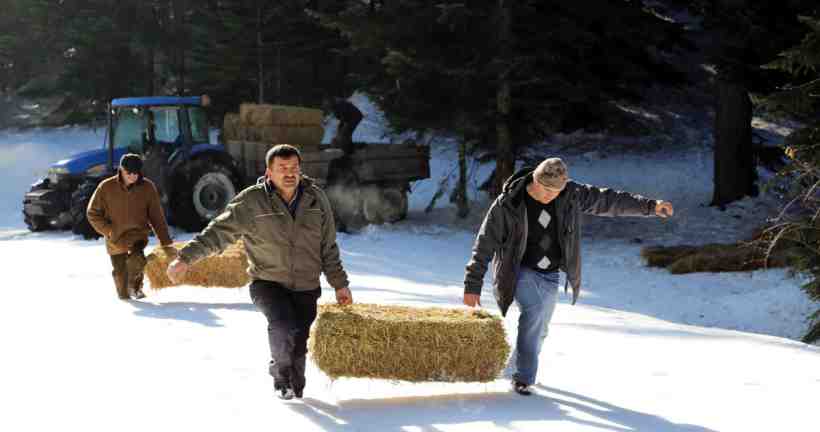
227 270
406 343
282 115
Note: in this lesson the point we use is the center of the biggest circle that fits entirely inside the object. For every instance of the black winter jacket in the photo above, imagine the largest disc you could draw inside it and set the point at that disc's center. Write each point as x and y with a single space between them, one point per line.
503 234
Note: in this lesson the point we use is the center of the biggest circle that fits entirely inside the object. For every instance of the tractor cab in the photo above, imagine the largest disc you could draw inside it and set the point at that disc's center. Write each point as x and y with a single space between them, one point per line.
195 178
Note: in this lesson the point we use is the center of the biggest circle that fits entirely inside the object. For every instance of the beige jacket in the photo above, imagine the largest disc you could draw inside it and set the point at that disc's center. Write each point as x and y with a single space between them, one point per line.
292 251
125 215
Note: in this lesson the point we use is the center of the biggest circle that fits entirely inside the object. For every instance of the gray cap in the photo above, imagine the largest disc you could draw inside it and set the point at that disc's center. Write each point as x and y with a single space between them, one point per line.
552 173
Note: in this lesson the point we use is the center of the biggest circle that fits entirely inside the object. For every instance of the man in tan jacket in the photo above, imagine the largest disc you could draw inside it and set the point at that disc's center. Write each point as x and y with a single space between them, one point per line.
287 227
123 209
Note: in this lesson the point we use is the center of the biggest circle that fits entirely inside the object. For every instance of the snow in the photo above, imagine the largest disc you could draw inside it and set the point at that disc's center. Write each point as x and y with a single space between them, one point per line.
642 351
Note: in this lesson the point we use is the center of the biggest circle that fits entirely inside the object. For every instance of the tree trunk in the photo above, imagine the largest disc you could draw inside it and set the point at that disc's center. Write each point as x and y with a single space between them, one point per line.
734 175
461 189
260 69
504 148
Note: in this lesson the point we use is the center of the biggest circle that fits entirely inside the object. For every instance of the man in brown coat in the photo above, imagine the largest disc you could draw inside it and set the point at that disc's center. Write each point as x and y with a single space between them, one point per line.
124 209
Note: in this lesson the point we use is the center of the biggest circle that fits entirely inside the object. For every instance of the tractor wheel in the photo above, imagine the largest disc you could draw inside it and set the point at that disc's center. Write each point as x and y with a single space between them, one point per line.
79 203
201 191
35 223
384 204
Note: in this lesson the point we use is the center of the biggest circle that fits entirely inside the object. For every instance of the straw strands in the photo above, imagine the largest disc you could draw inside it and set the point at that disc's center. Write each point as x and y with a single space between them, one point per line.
406 343
227 270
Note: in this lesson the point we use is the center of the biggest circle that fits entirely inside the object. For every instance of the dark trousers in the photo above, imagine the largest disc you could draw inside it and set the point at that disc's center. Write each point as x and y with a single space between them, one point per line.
290 315
128 273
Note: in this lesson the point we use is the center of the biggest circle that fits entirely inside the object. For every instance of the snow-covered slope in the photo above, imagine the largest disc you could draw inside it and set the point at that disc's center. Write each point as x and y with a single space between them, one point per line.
642 351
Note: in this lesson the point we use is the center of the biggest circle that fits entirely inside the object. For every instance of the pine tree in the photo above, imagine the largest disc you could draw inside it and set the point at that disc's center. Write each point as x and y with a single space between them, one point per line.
800 225
265 52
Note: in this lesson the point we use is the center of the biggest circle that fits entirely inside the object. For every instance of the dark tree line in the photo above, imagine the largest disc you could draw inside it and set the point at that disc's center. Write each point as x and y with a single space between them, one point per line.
236 50
498 75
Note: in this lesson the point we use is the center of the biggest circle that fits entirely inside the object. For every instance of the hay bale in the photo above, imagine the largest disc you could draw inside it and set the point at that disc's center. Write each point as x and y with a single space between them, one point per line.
227 270
660 256
279 115
230 127
406 343
305 137
714 257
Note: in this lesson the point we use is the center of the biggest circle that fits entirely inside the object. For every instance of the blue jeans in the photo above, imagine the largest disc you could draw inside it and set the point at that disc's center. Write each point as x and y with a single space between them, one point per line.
536 294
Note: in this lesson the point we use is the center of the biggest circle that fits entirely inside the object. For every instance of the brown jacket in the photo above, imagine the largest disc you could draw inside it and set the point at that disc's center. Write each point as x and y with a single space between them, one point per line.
281 248
126 215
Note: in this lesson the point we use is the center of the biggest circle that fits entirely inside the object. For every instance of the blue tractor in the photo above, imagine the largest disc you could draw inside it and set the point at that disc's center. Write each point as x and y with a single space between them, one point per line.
196 179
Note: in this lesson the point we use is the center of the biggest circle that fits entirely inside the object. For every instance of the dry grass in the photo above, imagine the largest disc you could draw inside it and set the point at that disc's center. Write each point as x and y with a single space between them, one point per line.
279 115
406 343
227 270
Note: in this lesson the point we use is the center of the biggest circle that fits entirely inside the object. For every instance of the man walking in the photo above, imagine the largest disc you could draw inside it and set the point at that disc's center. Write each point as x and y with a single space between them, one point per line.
123 209
531 231
286 224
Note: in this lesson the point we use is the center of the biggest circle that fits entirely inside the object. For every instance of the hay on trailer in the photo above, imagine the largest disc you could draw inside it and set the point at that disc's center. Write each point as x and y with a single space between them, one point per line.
227 270
406 343
231 127
282 115
713 257
306 137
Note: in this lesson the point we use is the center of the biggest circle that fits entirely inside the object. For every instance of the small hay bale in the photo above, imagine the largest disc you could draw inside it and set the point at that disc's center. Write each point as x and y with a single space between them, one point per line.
714 257
230 126
406 343
659 256
227 270
279 115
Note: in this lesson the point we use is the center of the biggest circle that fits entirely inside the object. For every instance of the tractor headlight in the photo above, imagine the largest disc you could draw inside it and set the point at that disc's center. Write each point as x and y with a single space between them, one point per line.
96 170
55 174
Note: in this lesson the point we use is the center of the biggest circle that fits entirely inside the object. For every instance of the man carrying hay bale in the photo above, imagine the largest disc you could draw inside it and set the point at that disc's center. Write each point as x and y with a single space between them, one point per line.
532 231
287 227
123 209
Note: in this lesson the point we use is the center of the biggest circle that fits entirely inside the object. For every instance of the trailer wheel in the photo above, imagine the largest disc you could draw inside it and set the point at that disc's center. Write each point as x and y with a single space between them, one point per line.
201 192
345 196
384 204
79 203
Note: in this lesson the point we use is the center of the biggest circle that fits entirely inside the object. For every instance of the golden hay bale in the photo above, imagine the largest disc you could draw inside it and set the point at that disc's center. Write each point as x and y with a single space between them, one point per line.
406 343
282 115
299 136
230 127
227 270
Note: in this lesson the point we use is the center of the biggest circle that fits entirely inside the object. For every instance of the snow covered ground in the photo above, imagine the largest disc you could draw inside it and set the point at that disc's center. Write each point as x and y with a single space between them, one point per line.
642 351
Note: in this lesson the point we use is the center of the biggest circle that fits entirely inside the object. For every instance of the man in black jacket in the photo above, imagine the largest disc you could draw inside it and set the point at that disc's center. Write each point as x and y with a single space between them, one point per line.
532 231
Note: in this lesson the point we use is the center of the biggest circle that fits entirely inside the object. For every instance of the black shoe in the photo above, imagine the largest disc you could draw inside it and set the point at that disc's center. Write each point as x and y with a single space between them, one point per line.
521 388
139 295
286 393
